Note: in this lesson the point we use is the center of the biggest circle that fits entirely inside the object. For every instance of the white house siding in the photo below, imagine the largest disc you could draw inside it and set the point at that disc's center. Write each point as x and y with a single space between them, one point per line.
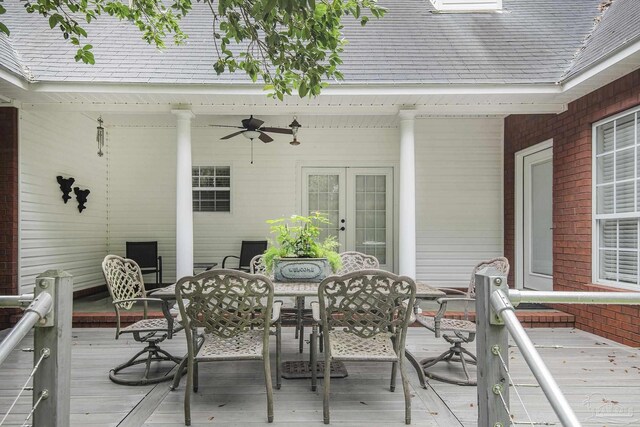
459 197
142 187
54 234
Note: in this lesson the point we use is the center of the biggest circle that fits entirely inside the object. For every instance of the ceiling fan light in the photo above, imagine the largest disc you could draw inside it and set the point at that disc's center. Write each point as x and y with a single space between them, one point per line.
251 134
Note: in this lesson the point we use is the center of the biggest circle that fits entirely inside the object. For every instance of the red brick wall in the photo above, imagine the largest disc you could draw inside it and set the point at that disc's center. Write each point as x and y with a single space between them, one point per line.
8 208
571 133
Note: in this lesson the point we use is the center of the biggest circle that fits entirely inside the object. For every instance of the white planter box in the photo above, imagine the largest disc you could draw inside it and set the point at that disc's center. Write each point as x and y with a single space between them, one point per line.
300 269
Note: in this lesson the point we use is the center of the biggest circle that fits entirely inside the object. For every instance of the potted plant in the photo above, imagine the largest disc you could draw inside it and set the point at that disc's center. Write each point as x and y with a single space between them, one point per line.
297 254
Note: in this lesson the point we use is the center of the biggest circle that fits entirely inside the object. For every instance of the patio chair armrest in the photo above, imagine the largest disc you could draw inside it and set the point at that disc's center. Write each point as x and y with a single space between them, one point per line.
445 299
141 299
315 311
452 291
275 312
224 260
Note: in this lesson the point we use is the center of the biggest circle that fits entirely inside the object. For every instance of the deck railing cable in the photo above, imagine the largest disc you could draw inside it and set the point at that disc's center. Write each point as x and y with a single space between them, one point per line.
495 311
26 387
48 314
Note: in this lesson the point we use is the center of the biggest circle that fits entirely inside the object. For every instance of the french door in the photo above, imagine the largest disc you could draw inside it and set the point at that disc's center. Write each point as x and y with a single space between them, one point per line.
538 220
359 204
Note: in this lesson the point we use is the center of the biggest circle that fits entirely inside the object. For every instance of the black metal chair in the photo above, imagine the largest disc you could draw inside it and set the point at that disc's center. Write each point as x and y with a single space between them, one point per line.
248 250
145 254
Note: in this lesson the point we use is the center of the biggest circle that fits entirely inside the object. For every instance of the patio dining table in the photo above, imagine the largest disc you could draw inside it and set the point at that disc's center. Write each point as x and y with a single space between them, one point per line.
310 289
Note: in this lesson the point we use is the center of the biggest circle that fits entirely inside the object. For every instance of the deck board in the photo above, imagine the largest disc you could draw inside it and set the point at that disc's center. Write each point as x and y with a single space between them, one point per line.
600 378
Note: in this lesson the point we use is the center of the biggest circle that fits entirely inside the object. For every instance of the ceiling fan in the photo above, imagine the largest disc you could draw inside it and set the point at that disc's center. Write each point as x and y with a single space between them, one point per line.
252 128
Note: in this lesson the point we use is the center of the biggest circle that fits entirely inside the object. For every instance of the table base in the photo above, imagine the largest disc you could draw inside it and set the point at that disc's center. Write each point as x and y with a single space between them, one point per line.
302 369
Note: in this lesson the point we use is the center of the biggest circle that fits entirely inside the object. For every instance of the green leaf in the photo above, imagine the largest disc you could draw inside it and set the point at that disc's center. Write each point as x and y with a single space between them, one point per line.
4 28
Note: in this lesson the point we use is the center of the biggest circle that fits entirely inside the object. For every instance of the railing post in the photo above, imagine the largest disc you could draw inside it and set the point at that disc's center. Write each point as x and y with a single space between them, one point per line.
492 339
52 337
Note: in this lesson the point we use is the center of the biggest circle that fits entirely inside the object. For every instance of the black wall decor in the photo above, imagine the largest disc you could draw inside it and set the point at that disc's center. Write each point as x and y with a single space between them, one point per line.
65 186
81 197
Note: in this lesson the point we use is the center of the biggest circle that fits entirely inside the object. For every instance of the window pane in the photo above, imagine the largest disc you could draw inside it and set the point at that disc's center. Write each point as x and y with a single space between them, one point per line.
624 131
625 193
628 267
608 234
223 182
604 141
605 199
625 164
223 171
628 234
608 265
604 164
207 181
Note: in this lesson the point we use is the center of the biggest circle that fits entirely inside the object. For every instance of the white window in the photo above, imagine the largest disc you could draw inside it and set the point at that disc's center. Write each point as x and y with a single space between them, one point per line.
211 188
617 199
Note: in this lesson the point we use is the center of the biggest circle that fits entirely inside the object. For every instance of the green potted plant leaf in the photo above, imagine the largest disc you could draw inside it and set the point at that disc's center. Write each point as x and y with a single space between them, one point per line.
297 254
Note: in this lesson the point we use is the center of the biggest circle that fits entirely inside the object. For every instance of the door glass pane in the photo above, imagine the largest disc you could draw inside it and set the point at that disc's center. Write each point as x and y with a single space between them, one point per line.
324 197
371 207
541 218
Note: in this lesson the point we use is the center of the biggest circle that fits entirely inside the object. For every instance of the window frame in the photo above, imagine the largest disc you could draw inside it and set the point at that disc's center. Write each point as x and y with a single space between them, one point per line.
595 217
214 189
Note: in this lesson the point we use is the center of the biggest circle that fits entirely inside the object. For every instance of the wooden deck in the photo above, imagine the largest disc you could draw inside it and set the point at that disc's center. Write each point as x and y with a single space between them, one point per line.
600 378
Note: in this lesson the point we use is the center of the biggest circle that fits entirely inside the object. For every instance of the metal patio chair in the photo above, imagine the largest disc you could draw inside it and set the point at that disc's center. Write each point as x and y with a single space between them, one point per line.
248 249
364 315
457 331
126 287
236 311
350 261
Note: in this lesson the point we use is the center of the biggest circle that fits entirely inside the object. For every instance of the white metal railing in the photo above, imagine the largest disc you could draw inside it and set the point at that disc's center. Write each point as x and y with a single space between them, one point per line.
48 313
496 318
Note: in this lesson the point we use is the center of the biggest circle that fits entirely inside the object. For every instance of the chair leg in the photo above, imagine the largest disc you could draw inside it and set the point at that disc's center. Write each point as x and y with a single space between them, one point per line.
278 355
195 376
407 392
313 364
267 380
394 369
327 384
187 393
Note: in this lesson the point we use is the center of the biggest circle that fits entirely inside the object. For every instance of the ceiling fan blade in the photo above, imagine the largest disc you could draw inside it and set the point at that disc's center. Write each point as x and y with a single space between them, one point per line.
265 138
252 123
277 130
232 135
227 126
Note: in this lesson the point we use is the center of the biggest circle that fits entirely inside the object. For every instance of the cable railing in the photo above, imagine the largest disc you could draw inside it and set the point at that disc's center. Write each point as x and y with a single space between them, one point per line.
496 320
48 313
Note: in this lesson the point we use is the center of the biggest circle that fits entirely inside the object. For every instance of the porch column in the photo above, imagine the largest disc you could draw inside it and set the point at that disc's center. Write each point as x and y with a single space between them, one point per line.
184 204
407 238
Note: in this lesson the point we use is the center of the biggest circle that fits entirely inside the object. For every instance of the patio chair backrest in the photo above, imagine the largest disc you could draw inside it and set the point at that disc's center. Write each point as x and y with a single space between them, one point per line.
225 302
257 265
124 279
501 264
366 302
249 249
355 261
144 253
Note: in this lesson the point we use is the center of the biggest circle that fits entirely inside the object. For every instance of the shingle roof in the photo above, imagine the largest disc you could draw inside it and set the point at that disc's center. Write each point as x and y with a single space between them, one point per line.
9 58
618 27
531 42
